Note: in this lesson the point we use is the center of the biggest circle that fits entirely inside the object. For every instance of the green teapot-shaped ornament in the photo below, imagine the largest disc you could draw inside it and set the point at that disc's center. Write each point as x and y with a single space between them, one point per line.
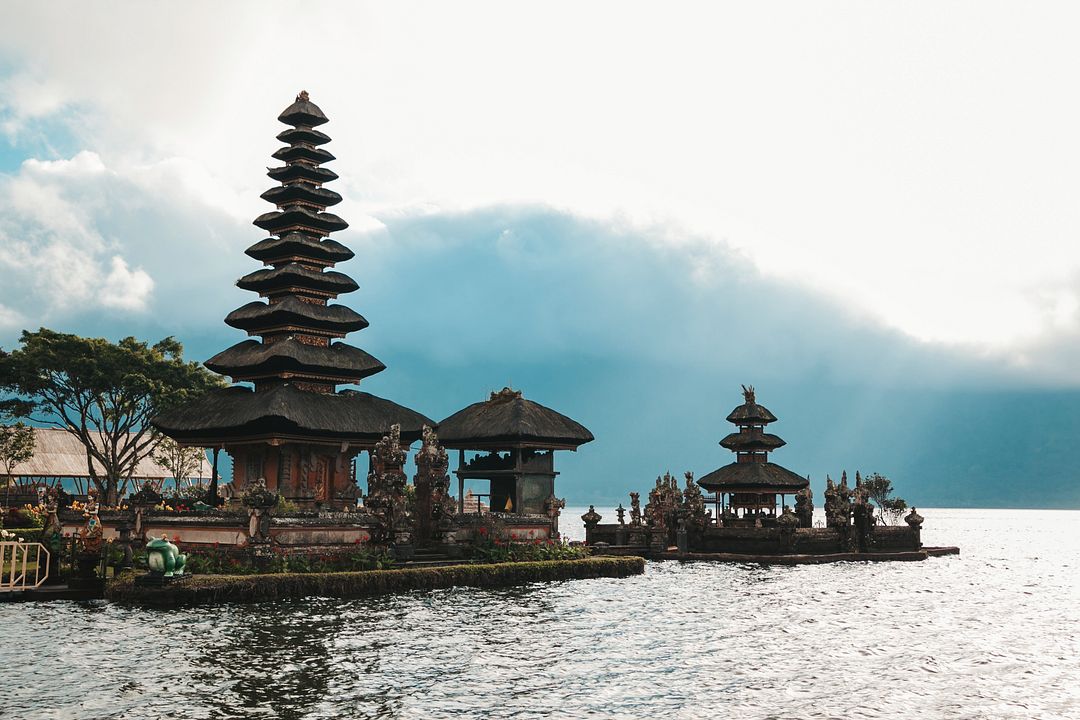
164 557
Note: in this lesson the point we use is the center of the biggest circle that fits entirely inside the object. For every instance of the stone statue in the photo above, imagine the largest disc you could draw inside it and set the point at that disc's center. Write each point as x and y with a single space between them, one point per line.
863 513
620 513
843 500
386 490
654 514
592 517
635 508
831 494
804 507
435 507
259 501
788 523
165 558
693 506
553 508
591 520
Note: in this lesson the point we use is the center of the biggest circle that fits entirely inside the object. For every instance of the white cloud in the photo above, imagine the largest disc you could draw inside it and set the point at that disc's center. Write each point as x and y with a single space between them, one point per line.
915 164
9 318
124 288
58 261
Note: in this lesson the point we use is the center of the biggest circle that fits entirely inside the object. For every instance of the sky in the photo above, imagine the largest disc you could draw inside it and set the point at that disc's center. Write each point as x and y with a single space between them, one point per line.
625 209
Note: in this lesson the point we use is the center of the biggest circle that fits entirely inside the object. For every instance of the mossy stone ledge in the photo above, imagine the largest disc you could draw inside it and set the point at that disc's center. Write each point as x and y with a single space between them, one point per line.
208 589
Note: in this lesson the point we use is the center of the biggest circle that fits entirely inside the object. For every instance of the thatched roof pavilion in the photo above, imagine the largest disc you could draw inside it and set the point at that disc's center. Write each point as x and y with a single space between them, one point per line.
520 437
507 419
752 482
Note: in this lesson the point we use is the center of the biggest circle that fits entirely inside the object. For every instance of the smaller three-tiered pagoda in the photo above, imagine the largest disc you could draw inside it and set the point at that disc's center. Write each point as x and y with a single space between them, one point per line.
751 484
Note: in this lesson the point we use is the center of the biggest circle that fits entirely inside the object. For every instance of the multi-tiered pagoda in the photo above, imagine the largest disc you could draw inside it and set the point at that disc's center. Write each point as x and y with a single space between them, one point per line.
752 483
293 428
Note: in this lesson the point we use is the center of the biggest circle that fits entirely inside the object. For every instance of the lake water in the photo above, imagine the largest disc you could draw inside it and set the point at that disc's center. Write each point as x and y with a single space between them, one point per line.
993 633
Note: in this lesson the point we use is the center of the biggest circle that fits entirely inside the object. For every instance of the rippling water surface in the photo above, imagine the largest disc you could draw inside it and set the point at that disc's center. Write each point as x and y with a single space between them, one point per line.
994 633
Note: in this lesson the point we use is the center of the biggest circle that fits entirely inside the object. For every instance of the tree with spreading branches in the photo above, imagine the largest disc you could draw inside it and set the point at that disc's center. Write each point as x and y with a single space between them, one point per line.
103 393
178 459
880 491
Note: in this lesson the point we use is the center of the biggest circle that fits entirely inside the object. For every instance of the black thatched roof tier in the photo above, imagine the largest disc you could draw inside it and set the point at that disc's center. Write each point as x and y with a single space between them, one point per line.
758 442
301 192
294 275
292 173
300 153
303 113
291 311
303 135
279 221
299 245
255 359
508 420
750 413
285 411
753 477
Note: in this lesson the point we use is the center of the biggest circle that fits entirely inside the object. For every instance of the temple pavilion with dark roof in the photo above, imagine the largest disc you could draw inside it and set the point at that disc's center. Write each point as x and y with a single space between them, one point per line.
515 440
293 428
751 484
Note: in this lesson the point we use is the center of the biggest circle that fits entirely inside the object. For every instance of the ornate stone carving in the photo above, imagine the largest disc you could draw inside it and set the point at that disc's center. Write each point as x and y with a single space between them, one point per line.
591 520
386 490
694 505
804 507
435 506
258 496
553 508
635 508
259 501
838 503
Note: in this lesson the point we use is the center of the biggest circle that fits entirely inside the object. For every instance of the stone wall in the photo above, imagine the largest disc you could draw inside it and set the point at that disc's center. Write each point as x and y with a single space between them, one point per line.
761 541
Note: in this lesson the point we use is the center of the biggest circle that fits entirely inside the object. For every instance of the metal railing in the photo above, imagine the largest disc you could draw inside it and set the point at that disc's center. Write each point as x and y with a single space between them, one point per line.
23 565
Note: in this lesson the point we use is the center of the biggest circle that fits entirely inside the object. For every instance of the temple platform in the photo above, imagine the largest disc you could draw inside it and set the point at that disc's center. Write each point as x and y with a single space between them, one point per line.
778 559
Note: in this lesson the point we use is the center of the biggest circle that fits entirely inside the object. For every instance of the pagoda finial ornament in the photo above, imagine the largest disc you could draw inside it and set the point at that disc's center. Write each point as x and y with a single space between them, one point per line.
505 395
748 394
302 96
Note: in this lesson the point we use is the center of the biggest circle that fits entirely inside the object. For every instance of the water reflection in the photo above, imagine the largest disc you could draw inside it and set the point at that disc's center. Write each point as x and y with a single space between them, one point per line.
993 633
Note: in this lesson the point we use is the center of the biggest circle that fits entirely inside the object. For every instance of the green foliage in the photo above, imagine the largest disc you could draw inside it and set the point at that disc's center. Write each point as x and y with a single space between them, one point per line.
16 446
102 392
256 588
217 561
491 542
285 507
880 491
32 516
181 461
489 549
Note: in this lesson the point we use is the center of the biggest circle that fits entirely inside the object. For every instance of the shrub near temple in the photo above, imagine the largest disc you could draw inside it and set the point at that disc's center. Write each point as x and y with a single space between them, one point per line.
217 561
490 546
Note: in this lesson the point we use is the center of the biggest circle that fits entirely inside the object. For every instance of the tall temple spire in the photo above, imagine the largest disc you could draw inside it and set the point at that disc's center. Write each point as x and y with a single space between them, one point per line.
296 429
297 322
